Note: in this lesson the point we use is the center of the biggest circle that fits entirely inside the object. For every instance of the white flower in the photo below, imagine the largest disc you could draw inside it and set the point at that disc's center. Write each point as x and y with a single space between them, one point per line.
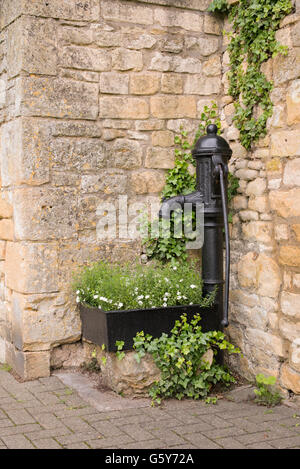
166 279
140 297
77 299
193 286
96 296
174 268
77 292
120 305
181 280
147 296
102 298
140 303
164 305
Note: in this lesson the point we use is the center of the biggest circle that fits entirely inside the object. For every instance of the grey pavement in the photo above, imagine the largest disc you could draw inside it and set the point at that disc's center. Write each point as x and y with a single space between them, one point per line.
67 411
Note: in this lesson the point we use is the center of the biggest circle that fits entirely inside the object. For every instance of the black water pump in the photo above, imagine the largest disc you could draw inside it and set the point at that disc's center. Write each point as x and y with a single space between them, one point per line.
211 153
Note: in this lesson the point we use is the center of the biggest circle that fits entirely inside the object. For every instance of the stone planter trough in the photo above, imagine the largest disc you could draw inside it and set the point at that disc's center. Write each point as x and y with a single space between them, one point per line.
106 327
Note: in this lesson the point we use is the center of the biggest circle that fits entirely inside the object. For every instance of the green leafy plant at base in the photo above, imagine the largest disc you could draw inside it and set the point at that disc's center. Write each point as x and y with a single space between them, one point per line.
252 42
181 180
179 357
265 393
92 365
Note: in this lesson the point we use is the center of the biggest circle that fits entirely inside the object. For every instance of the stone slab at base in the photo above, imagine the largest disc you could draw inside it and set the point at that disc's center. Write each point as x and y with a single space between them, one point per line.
28 365
126 377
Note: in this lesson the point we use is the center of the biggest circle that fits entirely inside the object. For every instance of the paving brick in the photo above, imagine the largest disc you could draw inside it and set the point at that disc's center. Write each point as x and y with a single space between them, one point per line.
78 445
185 446
20 416
47 443
152 444
65 412
216 421
156 413
169 438
224 432
249 438
9 403
230 443
49 398
77 437
137 432
166 424
284 443
41 408
275 414
6 423
106 429
132 420
48 421
201 442
184 416
17 442
6 379
195 428
115 442
2 415
19 429
35 387
3 392
52 433
260 446
76 424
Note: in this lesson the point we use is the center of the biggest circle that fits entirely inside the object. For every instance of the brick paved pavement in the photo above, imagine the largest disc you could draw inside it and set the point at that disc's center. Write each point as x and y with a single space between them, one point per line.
47 414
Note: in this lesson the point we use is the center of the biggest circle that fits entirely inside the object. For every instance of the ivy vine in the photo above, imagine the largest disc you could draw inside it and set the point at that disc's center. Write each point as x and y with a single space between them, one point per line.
252 42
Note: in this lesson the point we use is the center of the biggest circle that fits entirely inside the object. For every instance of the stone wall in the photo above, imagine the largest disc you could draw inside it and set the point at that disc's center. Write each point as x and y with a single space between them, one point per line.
92 94
265 288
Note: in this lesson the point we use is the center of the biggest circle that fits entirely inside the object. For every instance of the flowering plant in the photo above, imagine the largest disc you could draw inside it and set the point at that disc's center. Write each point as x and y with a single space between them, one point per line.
114 287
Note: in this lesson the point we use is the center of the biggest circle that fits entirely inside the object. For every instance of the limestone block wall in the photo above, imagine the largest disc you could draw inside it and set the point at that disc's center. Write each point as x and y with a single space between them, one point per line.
265 287
91 95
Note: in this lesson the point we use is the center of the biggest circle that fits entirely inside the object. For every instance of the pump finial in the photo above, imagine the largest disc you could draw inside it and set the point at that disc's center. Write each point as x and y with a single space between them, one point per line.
212 129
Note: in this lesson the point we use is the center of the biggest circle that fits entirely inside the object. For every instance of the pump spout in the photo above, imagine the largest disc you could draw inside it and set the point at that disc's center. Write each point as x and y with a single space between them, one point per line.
178 201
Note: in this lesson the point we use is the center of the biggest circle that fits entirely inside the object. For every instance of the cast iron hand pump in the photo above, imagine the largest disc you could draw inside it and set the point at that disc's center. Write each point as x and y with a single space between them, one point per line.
212 153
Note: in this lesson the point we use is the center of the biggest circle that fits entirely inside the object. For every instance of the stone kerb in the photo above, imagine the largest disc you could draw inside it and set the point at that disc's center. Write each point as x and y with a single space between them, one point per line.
87 116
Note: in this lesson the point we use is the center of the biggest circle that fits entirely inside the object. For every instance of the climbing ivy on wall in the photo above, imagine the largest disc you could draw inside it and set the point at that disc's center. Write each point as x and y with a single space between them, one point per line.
252 42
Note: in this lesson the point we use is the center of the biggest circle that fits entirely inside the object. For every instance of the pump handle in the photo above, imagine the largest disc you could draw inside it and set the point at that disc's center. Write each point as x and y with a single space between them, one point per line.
220 170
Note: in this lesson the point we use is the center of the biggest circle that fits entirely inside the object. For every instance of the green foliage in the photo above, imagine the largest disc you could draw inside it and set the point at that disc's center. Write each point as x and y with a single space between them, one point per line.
219 6
92 365
265 393
252 42
233 185
120 344
111 287
179 356
5 367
